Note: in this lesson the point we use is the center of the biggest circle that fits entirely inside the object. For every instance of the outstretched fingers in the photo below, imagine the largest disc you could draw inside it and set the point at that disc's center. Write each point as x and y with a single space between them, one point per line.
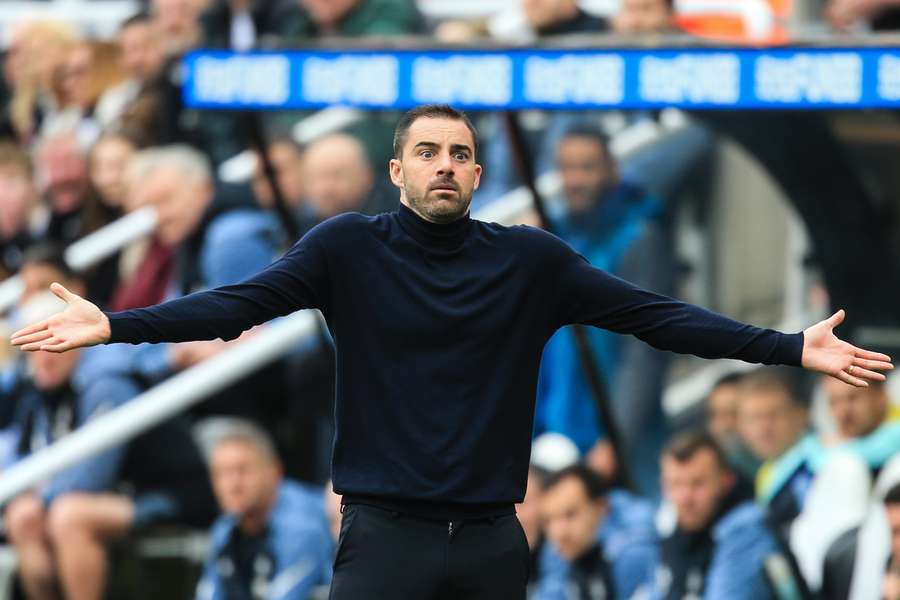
868 354
59 346
850 379
18 338
874 365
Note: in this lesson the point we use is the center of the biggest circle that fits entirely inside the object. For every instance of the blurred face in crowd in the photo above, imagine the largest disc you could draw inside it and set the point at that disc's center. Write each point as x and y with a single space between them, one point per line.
643 16
287 162
570 517
337 175
76 76
178 23
179 199
108 160
328 13
695 487
529 510
586 171
722 412
244 479
856 411
142 51
544 13
436 171
50 370
37 277
893 517
17 195
770 422
63 170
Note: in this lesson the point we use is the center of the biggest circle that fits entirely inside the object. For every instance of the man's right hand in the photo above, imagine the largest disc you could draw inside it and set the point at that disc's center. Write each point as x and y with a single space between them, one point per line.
80 324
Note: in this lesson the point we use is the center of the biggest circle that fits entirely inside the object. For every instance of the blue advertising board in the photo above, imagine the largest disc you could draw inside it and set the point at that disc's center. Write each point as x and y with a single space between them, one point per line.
696 78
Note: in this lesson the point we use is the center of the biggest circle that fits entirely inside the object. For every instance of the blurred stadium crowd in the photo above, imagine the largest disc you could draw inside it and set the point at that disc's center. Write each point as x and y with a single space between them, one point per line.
755 498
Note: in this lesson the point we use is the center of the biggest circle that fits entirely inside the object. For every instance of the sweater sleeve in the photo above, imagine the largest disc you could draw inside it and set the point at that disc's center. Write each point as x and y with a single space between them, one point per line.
297 280
589 296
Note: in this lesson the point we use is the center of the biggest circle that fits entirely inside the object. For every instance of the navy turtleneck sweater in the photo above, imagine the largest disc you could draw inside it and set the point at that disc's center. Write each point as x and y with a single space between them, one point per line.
439 331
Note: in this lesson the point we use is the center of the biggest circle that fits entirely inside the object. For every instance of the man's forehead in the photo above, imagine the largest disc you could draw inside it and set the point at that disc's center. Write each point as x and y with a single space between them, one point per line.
440 130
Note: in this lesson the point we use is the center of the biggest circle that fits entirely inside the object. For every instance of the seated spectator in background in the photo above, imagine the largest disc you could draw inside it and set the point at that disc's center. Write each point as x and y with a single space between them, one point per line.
90 75
719 543
618 228
107 161
600 544
273 540
338 178
196 245
558 17
774 423
880 15
41 48
60 530
722 424
644 16
154 108
179 24
19 207
242 25
890 588
286 158
62 173
359 17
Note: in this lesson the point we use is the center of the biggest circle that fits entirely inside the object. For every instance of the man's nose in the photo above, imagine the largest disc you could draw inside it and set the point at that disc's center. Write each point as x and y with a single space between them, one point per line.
445 165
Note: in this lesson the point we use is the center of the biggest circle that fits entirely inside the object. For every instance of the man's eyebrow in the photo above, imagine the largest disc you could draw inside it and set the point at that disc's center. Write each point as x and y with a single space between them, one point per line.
460 147
428 145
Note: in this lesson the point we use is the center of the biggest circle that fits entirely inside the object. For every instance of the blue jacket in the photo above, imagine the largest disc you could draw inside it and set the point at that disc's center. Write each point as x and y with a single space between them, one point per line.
628 539
741 544
297 539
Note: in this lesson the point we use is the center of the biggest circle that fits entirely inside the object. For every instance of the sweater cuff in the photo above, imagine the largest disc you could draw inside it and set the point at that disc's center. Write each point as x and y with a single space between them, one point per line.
122 328
790 349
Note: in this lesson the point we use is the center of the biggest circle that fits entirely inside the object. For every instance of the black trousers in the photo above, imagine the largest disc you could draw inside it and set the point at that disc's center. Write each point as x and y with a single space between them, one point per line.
388 555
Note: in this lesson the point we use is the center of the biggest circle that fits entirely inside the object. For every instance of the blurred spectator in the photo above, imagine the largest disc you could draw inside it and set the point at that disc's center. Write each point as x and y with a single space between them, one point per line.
60 530
19 205
286 157
359 17
246 24
722 423
557 17
273 540
90 76
338 178
196 244
62 174
600 544
719 543
890 588
857 412
644 16
878 14
774 423
40 49
154 109
179 24
618 228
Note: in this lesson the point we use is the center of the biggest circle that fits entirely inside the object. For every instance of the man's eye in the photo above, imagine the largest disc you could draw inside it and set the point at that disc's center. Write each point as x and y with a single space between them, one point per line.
426 154
461 156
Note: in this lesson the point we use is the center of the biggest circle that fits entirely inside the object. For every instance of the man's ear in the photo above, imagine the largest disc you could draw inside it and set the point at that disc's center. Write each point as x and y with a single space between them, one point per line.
396 171
477 175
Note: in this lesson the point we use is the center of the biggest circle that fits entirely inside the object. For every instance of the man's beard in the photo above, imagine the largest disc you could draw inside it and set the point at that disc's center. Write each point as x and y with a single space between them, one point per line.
438 211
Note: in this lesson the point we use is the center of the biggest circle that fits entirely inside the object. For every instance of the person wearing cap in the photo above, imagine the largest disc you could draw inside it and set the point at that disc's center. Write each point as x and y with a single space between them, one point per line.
439 322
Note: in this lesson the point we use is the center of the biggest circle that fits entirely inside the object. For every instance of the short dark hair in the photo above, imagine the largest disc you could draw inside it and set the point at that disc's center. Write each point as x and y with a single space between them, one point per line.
684 446
733 378
594 485
787 380
429 111
52 255
590 130
893 495
141 18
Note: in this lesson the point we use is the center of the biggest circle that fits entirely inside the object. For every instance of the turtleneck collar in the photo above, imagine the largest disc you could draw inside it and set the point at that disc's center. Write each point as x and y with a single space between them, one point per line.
436 235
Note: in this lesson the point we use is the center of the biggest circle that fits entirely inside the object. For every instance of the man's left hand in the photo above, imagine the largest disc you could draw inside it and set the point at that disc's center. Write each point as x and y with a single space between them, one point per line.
826 353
